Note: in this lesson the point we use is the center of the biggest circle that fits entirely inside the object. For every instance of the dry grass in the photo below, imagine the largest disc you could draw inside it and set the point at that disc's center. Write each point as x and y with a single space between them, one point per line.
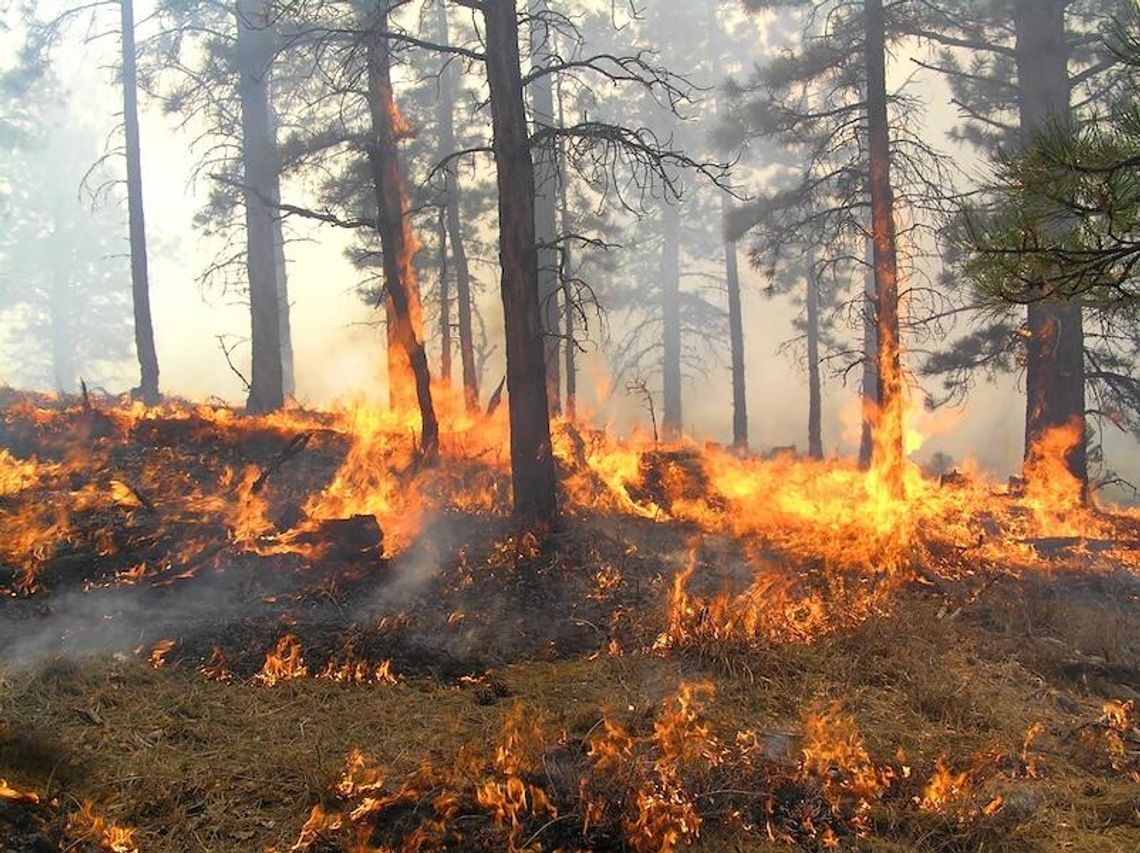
199 765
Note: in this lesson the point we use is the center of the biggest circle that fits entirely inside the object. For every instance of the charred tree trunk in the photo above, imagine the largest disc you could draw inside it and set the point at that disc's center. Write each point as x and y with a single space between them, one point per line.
254 57
546 208
532 462
444 302
889 453
815 397
735 338
445 116
1055 376
870 390
394 225
671 321
140 279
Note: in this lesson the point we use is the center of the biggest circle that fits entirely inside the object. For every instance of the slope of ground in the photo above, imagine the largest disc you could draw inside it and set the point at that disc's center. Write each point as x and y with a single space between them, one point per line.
208 644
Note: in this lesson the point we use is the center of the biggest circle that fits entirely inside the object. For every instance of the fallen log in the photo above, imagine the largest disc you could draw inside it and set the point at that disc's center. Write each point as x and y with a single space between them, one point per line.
294 446
344 539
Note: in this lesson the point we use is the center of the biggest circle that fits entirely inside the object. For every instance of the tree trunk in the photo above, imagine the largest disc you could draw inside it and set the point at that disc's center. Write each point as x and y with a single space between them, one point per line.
546 206
254 57
870 390
671 321
140 280
444 302
288 376
566 273
735 338
445 115
532 462
1055 379
60 302
395 228
889 455
815 398
571 407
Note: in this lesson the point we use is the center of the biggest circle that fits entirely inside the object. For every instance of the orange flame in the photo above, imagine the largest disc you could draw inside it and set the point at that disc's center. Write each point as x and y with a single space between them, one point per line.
284 663
86 825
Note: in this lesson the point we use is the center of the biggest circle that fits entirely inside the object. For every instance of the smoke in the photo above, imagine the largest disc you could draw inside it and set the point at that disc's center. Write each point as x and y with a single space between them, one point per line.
75 624
340 351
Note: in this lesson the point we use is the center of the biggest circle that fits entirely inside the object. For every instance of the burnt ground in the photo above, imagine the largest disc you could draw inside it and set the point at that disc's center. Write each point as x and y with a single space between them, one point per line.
476 616
468 593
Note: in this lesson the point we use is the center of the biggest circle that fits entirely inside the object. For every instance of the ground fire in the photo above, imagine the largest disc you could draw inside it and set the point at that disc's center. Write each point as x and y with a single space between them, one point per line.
194 545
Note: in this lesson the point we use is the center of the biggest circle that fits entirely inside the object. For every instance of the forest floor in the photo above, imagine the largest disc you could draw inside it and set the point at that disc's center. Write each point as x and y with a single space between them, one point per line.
478 688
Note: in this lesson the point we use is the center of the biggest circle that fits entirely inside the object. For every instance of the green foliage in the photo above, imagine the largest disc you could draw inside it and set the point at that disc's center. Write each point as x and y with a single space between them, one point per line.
1064 221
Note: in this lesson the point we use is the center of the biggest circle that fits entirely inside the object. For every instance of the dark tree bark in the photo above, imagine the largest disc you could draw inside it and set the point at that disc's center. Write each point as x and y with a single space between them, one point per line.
532 462
889 456
546 207
1055 378
671 321
446 124
870 386
140 280
254 57
735 338
394 225
570 409
815 397
444 302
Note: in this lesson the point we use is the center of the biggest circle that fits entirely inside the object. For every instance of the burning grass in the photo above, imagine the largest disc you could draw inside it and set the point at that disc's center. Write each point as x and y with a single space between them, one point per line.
906 732
289 633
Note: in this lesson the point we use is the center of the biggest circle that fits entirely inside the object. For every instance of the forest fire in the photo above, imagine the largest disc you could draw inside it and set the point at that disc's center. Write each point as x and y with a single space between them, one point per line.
820 551
399 610
791 507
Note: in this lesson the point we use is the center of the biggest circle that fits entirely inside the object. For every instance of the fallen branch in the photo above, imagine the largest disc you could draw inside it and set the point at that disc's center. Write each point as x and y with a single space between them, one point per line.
294 446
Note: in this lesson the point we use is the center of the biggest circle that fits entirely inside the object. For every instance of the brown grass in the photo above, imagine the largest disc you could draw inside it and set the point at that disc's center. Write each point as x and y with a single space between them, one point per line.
198 765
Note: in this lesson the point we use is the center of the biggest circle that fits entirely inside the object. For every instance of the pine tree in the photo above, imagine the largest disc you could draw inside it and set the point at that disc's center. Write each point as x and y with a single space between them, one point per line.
860 160
1033 66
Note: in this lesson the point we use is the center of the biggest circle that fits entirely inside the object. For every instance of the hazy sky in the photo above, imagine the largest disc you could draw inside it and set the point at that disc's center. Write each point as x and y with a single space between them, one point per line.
339 352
